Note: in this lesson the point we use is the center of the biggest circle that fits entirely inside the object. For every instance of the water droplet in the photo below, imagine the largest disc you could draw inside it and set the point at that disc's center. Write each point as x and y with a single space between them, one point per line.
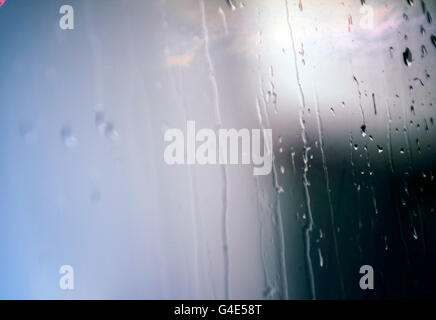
407 56
100 122
111 133
230 4
415 234
363 129
321 260
423 51
422 30
429 18
68 138
423 6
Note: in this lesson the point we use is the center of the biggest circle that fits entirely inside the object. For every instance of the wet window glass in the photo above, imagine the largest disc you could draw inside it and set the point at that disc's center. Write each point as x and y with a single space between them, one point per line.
217 149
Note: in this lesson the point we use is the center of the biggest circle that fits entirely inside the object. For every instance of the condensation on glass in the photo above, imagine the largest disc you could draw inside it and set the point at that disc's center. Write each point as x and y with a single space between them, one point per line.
347 88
